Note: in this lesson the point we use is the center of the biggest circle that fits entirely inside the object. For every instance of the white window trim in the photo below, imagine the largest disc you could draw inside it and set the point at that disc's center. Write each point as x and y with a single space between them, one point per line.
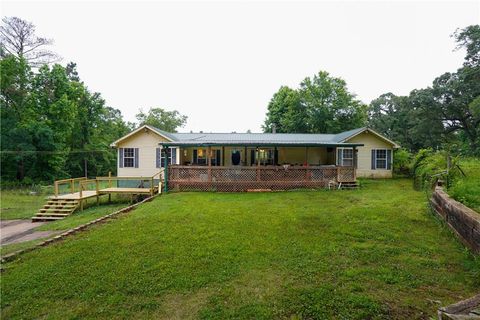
343 157
162 157
386 159
132 157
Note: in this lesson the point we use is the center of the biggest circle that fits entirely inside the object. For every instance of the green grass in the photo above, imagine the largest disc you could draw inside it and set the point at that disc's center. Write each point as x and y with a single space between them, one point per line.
19 204
92 212
467 189
4 250
375 253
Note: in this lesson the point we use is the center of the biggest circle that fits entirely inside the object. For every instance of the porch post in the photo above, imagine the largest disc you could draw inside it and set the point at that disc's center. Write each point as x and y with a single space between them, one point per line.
245 156
223 155
165 171
307 173
258 163
354 163
209 159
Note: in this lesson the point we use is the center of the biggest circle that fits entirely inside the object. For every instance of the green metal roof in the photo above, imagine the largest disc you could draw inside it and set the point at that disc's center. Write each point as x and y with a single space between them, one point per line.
259 139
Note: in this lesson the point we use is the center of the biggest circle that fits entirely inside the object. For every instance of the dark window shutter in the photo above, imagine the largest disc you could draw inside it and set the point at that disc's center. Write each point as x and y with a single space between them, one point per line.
275 155
374 159
136 157
339 157
389 159
195 156
120 157
157 158
252 157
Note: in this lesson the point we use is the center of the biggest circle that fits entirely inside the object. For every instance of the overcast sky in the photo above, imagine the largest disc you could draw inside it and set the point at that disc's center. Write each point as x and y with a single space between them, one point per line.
219 63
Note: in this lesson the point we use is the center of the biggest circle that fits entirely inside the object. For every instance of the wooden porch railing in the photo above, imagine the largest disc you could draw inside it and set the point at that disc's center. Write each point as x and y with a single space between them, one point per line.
218 178
73 183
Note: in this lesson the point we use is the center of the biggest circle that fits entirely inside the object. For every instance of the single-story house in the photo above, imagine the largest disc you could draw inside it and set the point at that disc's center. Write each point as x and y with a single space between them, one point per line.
238 161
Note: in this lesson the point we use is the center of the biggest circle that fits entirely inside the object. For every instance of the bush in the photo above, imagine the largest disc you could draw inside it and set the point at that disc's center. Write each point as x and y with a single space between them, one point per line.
402 162
466 189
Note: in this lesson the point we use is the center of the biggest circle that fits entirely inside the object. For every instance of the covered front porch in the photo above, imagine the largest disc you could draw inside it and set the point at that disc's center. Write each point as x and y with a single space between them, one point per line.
214 167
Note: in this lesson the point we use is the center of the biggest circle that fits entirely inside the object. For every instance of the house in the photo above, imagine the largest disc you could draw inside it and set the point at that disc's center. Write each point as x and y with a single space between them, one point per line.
238 161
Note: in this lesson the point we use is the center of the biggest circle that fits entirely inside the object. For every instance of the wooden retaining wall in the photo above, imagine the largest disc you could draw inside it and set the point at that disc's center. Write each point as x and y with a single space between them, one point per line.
462 220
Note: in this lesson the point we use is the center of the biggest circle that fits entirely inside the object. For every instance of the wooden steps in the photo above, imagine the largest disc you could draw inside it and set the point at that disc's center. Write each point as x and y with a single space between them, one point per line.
56 209
349 185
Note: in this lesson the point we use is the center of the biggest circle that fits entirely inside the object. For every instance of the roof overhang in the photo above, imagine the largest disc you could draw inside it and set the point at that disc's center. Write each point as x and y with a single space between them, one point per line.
144 127
395 146
257 144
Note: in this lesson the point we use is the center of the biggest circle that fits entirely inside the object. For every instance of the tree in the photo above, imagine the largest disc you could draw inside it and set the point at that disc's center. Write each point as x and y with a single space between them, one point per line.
446 114
285 112
162 119
17 37
322 104
469 39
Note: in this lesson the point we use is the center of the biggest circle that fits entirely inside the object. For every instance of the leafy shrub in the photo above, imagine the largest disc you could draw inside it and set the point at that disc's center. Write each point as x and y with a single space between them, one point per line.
428 167
466 189
402 162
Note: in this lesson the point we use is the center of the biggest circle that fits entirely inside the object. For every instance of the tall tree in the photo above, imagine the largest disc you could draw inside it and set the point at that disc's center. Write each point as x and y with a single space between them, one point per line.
286 112
322 104
17 37
160 118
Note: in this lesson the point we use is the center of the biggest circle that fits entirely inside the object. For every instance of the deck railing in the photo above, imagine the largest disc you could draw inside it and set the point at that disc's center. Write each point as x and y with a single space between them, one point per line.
72 184
224 178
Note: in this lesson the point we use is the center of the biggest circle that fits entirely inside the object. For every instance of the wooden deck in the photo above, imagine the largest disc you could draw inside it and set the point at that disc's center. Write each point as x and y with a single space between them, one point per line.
86 194
76 195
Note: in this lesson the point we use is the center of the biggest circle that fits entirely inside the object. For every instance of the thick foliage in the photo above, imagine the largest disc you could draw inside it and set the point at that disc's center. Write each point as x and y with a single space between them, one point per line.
447 114
52 126
322 104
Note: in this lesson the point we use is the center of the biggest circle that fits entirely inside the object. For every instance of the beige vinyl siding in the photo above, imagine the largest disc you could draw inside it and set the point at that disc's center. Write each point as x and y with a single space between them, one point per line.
370 141
147 142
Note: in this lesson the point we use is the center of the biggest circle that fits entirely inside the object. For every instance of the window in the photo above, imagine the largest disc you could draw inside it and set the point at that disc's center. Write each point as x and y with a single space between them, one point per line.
199 156
381 159
129 157
171 154
345 157
265 156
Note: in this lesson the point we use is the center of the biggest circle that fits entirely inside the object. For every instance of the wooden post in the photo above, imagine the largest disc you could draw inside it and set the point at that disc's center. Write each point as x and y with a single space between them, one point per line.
209 160
354 163
81 195
245 157
56 188
306 164
223 155
72 186
258 163
97 188
338 172
151 186
109 185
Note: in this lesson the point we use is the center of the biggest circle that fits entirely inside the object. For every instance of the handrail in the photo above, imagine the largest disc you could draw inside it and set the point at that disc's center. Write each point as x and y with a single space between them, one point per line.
70 181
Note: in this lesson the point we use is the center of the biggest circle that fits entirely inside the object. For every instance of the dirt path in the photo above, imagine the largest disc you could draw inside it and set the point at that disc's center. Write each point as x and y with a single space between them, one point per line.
15 231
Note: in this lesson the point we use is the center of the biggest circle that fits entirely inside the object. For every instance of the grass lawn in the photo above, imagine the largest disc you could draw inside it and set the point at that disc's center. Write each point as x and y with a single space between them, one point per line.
373 253
19 204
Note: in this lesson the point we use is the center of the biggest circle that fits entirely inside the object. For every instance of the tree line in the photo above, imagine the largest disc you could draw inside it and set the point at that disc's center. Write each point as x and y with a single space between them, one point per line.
52 125
445 115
